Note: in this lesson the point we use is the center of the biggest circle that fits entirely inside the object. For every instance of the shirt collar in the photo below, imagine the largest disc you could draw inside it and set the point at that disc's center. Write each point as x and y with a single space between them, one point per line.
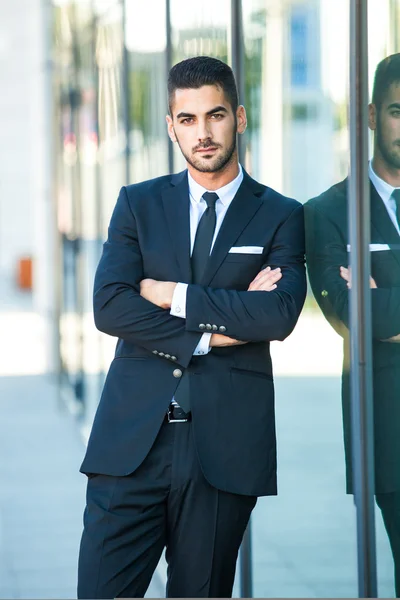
384 189
226 193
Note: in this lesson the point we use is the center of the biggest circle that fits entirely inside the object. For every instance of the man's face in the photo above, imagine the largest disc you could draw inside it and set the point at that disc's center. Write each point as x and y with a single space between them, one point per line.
385 121
204 126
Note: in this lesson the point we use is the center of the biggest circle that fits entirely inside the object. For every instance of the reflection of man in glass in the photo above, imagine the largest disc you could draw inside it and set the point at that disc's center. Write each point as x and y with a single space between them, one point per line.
330 278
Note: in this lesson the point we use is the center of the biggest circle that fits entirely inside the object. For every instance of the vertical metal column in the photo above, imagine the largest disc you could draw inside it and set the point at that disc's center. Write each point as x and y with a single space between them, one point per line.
237 59
360 302
168 65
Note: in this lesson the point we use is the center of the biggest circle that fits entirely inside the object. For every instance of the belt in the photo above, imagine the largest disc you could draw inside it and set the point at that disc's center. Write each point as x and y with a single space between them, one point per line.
176 414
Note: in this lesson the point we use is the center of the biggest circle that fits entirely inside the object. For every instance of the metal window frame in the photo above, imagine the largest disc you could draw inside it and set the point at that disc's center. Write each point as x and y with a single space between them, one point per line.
360 303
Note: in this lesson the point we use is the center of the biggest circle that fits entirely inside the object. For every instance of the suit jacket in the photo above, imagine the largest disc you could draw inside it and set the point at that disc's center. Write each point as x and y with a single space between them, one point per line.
326 251
232 391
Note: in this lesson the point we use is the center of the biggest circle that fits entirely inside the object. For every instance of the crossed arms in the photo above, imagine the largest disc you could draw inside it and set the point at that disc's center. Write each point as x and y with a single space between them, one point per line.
330 279
253 315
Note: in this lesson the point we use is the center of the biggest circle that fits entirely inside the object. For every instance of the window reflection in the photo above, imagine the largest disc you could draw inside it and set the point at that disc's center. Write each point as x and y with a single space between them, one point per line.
330 276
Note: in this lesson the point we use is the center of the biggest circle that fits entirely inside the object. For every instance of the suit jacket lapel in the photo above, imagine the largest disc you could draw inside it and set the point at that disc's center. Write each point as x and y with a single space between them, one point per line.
242 209
177 212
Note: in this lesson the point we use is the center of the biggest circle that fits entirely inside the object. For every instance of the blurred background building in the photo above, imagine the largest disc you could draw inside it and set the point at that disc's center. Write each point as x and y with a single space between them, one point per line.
82 113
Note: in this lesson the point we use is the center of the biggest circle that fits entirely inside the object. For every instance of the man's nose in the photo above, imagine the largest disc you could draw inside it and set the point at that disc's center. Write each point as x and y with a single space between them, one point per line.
203 130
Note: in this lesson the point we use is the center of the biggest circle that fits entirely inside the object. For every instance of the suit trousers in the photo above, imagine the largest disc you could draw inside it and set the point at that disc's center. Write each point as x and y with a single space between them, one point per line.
389 504
165 503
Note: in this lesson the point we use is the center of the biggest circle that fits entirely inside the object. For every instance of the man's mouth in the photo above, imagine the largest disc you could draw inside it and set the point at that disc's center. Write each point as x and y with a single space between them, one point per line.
207 150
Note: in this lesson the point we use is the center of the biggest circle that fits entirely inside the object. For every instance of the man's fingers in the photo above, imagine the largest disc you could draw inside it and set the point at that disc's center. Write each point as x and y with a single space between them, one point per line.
267 279
261 273
266 273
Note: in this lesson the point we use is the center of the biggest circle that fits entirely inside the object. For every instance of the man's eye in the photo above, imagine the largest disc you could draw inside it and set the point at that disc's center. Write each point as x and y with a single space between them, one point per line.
217 116
187 120
396 113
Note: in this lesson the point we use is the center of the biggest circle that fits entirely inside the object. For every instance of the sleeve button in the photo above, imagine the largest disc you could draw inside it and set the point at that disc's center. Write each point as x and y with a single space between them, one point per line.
222 329
202 326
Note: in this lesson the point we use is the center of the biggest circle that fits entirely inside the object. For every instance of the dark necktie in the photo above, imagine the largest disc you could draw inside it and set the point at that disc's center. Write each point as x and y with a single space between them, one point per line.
201 252
396 196
204 237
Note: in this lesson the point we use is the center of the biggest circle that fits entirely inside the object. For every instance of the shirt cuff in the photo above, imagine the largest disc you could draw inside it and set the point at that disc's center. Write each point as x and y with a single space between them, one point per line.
203 347
178 304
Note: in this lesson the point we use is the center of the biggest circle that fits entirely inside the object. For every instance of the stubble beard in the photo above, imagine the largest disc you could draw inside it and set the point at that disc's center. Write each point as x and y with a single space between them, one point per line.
389 154
212 165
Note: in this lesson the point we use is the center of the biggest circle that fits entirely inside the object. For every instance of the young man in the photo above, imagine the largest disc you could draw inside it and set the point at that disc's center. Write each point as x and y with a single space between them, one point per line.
184 437
327 260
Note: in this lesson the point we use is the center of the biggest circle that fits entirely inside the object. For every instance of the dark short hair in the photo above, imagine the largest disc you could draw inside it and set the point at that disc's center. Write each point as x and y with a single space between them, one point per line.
387 72
193 73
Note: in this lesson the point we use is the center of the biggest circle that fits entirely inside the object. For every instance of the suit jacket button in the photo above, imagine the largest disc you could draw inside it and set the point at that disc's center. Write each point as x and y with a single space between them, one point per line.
324 293
222 329
214 327
167 356
202 326
173 358
161 354
208 327
177 373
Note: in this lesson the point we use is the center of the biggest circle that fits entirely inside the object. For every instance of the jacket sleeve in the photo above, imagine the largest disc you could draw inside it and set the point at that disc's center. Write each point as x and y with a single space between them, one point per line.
119 309
326 252
258 316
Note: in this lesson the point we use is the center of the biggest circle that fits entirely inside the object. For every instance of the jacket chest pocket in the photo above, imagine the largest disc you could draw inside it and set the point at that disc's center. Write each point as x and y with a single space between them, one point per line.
238 270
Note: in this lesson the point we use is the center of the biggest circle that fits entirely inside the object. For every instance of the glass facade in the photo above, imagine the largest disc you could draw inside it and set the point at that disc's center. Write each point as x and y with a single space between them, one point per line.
112 60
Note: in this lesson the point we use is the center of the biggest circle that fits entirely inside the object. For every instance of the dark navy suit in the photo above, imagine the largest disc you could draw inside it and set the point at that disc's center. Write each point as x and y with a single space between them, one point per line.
232 432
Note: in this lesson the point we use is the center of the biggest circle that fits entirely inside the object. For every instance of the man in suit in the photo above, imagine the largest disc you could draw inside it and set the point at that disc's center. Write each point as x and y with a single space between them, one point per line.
183 441
327 260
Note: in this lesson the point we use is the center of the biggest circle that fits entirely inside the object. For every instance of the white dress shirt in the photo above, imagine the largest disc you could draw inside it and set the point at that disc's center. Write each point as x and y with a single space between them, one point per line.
197 208
385 190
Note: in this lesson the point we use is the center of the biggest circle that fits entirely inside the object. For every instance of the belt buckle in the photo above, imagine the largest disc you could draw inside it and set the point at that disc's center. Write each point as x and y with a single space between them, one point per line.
171 418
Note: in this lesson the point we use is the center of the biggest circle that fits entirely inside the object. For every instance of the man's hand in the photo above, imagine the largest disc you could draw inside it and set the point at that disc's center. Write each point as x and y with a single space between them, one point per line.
159 293
346 275
266 280
393 340
218 340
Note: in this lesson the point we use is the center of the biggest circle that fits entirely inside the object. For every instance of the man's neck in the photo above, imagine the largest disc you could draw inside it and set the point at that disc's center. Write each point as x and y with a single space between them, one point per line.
389 174
215 181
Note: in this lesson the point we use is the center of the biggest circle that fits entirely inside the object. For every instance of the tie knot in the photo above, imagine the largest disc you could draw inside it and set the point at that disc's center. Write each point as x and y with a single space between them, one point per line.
210 198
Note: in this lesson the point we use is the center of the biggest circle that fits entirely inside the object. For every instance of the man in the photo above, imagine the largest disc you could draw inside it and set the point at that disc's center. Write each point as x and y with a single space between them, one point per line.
330 278
184 437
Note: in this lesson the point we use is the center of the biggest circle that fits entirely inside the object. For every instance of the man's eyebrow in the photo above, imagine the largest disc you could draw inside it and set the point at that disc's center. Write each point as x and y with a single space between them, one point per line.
184 115
217 109
394 105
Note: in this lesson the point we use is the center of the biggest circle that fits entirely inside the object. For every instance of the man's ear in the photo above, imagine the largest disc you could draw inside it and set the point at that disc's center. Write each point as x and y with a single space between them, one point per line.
372 116
171 130
241 119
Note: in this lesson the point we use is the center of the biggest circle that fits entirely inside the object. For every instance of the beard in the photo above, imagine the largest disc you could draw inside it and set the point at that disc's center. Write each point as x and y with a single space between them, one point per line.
390 151
212 164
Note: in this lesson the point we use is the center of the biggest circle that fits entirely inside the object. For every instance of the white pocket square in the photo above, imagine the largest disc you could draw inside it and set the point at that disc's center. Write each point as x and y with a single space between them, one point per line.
246 250
374 247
